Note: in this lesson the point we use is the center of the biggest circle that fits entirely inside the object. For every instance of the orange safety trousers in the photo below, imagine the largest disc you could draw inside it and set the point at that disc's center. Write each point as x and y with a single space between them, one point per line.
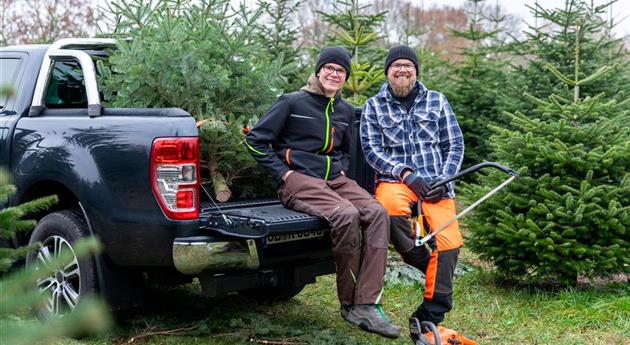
398 199
437 265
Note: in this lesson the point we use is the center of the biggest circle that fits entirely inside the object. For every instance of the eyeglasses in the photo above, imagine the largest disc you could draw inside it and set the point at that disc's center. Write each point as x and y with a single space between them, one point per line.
400 66
330 70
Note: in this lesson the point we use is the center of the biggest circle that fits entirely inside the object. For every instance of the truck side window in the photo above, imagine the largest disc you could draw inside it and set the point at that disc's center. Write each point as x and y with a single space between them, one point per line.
8 72
66 88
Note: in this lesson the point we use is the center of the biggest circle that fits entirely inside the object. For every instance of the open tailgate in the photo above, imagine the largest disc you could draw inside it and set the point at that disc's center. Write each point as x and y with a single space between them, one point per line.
256 219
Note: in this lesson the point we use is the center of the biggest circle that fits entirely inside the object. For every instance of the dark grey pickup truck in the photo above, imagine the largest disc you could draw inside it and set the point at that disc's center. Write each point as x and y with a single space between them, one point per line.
131 178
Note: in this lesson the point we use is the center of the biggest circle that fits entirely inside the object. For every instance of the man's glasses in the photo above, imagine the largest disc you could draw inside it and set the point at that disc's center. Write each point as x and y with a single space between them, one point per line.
330 70
400 66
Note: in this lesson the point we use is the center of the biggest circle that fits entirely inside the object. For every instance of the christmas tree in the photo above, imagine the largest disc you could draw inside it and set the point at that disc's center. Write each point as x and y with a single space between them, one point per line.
568 215
553 41
357 30
18 288
479 79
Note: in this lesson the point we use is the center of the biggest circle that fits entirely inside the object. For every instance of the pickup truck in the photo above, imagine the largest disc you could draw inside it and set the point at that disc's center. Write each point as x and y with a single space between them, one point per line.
131 178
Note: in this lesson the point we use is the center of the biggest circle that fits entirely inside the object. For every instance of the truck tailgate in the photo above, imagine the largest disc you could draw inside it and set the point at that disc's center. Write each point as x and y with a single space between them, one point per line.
256 219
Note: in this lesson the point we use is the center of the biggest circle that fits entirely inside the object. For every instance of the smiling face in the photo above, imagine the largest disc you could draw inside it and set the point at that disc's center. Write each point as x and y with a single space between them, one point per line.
332 77
402 77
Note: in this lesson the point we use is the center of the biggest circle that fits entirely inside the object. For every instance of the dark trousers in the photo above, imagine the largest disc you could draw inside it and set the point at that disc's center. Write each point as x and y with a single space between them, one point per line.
359 231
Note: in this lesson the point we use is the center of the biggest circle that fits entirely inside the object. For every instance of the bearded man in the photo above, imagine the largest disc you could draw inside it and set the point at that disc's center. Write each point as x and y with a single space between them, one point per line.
411 137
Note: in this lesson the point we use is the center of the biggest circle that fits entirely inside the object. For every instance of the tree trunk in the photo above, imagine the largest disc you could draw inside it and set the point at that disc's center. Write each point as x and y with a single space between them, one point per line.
220 188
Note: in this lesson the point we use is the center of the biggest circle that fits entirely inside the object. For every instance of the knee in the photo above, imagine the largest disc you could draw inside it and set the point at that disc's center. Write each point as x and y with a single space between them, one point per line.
346 216
378 212
345 229
349 214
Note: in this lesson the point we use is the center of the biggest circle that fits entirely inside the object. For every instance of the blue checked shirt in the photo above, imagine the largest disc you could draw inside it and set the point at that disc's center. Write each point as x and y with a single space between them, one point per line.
427 140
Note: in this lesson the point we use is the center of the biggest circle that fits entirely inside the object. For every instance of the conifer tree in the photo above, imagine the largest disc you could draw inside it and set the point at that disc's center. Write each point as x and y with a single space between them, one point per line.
209 59
569 212
357 30
17 289
553 41
479 79
279 35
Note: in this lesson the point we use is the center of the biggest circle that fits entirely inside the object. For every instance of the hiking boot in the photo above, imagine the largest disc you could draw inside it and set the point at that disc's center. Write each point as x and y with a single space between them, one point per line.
344 310
371 318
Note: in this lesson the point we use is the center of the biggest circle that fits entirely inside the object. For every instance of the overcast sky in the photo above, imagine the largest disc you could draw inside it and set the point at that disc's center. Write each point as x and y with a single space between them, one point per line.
620 10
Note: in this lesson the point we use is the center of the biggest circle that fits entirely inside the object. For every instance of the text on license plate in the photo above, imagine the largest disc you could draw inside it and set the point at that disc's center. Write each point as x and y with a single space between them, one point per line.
296 236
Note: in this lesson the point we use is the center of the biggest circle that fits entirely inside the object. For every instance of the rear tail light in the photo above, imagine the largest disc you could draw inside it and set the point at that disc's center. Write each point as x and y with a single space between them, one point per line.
175 176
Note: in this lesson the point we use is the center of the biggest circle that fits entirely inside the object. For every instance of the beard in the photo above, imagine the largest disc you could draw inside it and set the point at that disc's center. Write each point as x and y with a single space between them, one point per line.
402 88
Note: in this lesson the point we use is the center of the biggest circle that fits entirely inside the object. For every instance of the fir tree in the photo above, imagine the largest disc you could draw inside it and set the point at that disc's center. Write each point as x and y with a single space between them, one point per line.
17 289
209 59
357 30
568 214
279 35
554 41
479 79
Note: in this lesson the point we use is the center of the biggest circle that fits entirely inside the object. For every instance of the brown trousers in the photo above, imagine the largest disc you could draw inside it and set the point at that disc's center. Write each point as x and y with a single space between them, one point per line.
359 231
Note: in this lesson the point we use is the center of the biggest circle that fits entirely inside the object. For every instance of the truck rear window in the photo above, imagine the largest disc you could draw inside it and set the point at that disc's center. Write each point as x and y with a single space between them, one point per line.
8 73
66 88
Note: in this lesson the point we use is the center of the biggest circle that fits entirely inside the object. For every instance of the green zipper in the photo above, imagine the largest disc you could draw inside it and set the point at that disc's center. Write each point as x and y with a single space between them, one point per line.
329 105
327 168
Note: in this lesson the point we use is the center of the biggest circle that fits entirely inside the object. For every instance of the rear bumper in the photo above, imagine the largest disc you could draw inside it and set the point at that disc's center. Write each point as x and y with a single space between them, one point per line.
192 255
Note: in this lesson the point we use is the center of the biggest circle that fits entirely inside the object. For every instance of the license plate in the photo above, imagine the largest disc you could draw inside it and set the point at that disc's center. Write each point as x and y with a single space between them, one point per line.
296 236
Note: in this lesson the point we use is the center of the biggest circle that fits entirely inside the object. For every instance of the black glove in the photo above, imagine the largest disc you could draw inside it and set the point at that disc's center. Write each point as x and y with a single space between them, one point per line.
436 194
417 184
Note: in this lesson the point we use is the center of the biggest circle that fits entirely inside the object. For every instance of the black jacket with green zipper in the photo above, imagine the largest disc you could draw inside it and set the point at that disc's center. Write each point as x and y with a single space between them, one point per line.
304 131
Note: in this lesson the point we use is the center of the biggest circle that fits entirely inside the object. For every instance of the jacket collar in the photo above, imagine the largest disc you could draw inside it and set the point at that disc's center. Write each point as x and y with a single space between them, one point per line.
314 86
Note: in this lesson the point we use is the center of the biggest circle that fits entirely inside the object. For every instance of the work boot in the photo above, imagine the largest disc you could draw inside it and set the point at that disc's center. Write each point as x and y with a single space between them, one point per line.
344 309
371 318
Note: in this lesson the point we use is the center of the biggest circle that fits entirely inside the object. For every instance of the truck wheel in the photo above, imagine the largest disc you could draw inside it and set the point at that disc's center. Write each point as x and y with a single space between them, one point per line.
278 293
64 288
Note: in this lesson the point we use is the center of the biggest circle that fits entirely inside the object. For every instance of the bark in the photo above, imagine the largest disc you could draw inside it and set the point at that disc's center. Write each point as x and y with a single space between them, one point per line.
220 187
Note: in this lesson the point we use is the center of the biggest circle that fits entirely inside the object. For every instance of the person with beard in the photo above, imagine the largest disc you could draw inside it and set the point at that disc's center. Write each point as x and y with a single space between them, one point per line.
411 138
303 140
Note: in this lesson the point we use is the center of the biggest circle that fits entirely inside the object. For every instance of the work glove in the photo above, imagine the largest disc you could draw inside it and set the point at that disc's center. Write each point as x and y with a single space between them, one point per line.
436 194
417 184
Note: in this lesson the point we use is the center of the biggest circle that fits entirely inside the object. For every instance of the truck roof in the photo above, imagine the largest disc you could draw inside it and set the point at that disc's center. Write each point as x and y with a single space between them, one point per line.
26 48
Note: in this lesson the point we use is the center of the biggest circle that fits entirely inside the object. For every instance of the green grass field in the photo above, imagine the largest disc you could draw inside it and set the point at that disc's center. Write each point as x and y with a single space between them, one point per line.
484 311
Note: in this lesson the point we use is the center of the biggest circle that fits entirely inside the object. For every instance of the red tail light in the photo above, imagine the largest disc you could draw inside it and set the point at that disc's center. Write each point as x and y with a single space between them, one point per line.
175 176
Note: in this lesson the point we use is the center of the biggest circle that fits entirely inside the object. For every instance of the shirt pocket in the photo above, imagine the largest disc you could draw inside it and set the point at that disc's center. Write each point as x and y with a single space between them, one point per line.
392 130
427 127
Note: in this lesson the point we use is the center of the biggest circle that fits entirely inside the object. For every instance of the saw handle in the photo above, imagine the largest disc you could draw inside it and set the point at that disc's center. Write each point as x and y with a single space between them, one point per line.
473 169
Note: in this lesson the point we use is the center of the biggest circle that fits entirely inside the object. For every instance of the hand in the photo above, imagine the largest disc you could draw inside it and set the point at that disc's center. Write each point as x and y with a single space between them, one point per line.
417 184
435 194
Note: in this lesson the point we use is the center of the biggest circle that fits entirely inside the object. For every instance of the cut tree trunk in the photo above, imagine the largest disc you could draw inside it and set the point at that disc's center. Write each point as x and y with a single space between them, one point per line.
220 188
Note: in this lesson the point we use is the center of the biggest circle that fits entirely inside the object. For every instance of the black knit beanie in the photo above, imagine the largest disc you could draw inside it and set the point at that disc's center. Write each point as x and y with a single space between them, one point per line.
338 55
401 52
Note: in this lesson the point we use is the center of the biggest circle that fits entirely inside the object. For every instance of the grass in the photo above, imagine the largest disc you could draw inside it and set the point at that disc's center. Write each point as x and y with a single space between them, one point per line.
483 310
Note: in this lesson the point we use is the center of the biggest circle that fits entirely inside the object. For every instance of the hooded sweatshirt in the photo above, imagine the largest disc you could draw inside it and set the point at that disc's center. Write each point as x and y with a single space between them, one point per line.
304 131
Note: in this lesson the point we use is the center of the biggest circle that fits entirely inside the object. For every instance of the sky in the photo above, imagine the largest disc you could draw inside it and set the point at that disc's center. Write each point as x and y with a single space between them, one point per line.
620 10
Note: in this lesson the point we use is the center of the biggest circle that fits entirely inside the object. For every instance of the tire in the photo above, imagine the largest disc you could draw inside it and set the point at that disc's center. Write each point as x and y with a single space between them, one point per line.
283 292
65 288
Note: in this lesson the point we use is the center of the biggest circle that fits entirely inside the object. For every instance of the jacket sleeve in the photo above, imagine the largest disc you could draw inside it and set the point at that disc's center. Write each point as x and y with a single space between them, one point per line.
259 140
373 147
451 141
346 144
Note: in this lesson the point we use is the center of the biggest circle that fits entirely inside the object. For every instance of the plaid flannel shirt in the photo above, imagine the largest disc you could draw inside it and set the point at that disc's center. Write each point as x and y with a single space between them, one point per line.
427 140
